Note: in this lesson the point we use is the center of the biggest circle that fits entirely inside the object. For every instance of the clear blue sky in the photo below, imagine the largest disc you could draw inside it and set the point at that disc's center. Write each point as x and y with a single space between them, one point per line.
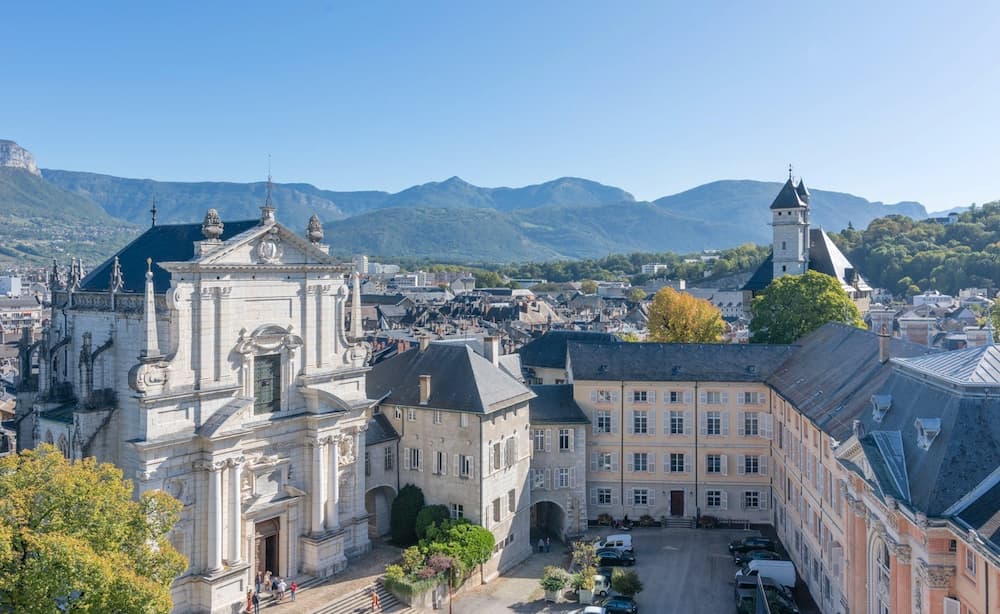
886 102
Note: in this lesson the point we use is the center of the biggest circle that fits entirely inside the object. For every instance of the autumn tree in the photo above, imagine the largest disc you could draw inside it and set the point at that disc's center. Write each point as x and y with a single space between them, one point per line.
678 317
795 305
73 538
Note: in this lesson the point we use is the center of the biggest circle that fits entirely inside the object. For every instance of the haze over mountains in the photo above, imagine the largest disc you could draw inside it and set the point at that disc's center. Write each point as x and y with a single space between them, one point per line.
451 220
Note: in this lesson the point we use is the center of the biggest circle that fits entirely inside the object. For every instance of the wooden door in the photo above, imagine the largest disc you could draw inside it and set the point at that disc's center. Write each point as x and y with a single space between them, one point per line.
676 502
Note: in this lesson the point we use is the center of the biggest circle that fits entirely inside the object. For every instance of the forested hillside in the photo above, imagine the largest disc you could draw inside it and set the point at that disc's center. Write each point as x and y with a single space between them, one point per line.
908 256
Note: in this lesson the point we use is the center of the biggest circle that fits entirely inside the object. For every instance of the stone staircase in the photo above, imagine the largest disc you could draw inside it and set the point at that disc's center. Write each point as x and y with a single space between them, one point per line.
360 602
679 522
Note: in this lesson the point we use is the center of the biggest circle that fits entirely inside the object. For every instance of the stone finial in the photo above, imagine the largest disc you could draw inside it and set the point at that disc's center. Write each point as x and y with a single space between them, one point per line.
211 228
314 231
117 281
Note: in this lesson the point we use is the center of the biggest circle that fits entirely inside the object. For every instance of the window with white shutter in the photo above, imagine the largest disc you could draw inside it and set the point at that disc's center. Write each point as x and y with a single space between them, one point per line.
724 465
688 423
725 500
952 606
724 416
762 464
548 440
740 464
740 423
406 458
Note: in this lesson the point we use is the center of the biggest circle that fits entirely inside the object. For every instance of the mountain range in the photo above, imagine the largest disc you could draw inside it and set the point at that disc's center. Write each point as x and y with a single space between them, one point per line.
449 221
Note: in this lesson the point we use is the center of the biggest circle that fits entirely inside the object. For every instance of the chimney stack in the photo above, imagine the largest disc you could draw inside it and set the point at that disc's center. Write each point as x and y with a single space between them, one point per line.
883 345
491 349
425 342
425 389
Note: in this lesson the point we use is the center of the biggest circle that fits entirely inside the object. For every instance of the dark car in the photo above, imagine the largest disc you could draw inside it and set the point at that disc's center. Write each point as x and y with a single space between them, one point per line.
621 604
751 543
779 598
613 558
756 555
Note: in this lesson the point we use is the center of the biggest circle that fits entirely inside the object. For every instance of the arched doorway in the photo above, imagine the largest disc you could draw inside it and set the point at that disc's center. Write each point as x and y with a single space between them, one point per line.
378 504
880 581
548 519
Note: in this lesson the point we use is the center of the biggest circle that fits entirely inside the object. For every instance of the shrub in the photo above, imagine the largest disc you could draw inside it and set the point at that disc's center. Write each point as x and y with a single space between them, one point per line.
429 516
646 520
626 582
584 554
554 578
403 520
426 573
394 572
440 562
583 580
413 559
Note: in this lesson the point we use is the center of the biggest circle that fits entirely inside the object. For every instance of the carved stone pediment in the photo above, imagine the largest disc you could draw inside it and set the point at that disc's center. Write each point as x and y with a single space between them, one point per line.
266 339
149 377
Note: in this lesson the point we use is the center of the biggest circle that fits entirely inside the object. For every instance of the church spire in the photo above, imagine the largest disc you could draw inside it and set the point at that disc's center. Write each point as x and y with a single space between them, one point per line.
267 211
150 345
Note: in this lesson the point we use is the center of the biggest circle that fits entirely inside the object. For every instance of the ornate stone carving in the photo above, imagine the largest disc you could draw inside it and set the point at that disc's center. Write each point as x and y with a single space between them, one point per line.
346 450
269 250
936 576
314 230
212 227
149 377
902 552
266 339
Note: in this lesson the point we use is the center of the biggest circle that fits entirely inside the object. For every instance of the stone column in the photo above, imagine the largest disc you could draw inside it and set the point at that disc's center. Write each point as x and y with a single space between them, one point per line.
317 488
235 509
214 516
359 472
333 499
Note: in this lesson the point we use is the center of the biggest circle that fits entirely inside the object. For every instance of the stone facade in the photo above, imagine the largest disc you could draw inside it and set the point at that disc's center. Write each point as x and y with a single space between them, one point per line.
224 378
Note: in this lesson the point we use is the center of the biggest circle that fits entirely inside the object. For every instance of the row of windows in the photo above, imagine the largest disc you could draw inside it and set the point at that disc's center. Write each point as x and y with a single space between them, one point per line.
679 462
643 422
645 497
388 461
674 397
437 416
463 465
553 478
542 439
498 513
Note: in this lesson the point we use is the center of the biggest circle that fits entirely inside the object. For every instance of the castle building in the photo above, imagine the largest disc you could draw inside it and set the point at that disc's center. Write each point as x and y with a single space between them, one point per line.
211 361
796 248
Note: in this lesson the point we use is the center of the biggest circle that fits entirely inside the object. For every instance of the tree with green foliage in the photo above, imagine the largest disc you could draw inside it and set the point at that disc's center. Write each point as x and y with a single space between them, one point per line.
488 279
636 294
469 543
626 582
796 305
678 317
629 337
589 286
73 538
429 516
403 516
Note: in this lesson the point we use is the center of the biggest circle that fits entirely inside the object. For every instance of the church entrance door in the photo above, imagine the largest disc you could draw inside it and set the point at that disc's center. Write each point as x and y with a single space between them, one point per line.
266 535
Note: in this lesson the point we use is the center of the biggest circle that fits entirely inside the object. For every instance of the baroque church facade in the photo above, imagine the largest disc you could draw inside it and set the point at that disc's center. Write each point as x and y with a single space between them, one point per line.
211 361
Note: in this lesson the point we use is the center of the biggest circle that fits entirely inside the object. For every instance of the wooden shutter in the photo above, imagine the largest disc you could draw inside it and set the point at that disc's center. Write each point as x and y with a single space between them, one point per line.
703 422
724 417
593 396
458 464
723 500
650 496
593 462
651 464
630 466
406 458
687 463
548 440
688 423
666 422
614 462
489 457
572 439
572 477
725 398
593 496
687 397
444 463
547 481
614 422
631 422
762 464
614 497
740 464
651 426
702 397
763 498
652 396
767 430
723 464
420 459
741 423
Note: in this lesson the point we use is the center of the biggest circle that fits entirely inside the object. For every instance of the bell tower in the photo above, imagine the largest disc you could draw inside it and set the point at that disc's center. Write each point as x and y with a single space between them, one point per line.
790 227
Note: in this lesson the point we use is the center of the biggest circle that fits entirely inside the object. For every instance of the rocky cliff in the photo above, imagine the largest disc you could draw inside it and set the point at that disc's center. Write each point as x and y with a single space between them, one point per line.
13 155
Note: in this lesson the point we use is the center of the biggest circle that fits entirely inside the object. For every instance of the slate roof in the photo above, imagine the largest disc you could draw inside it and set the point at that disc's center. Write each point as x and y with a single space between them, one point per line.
549 350
763 276
461 380
802 191
788 197
555 405
833 374
169 243
662 362
379 430
824 257
972 366
983 514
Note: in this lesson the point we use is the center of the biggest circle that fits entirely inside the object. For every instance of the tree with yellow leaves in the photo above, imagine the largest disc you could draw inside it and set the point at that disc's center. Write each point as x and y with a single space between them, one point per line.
72 538
678 317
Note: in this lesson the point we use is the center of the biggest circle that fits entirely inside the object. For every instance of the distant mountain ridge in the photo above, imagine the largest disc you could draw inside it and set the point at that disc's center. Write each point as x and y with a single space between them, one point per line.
449 220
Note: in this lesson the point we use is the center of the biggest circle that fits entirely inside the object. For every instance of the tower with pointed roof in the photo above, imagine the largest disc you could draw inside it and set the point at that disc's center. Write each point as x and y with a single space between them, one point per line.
790 227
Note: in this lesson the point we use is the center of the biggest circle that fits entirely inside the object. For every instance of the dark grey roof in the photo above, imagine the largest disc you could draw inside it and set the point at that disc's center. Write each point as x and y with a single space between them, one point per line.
171 243
762 277
788 197
382 299
824 257
833 374
379 430
555 405
884 451
549 350
663 362
461 380
802 191
983 514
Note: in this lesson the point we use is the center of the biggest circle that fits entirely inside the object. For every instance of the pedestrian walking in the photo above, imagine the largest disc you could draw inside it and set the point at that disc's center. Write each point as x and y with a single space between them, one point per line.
267 580
541 545
294 588
282 587
249 608
259 579
376 606
256 603
548 545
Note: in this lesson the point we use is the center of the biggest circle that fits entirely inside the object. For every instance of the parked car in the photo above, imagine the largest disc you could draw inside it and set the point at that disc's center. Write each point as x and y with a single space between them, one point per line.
621 605
751 543
602 585
614 558
593 609
756 555
747 586
622 543
782 571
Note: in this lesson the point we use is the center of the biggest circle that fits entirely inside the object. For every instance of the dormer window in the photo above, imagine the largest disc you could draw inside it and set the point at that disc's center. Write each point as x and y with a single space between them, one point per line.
881 403
927 430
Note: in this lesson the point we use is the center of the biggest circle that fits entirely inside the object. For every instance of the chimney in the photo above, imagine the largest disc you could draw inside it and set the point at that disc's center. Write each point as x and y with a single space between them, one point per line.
883 345
425 342
425 389
491 350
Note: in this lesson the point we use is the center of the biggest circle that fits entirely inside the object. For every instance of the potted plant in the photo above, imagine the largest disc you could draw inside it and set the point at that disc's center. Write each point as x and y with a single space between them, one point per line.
646 520
583 584
604 519
554 580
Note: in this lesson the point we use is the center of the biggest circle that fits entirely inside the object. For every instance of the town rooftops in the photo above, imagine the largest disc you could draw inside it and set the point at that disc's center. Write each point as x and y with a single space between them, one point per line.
460 380
555 405
661 362
379 430
549 350
977 366
169 243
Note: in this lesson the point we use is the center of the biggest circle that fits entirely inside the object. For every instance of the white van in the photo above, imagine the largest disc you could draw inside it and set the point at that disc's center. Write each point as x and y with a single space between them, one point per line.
602 585
780 571
621 543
